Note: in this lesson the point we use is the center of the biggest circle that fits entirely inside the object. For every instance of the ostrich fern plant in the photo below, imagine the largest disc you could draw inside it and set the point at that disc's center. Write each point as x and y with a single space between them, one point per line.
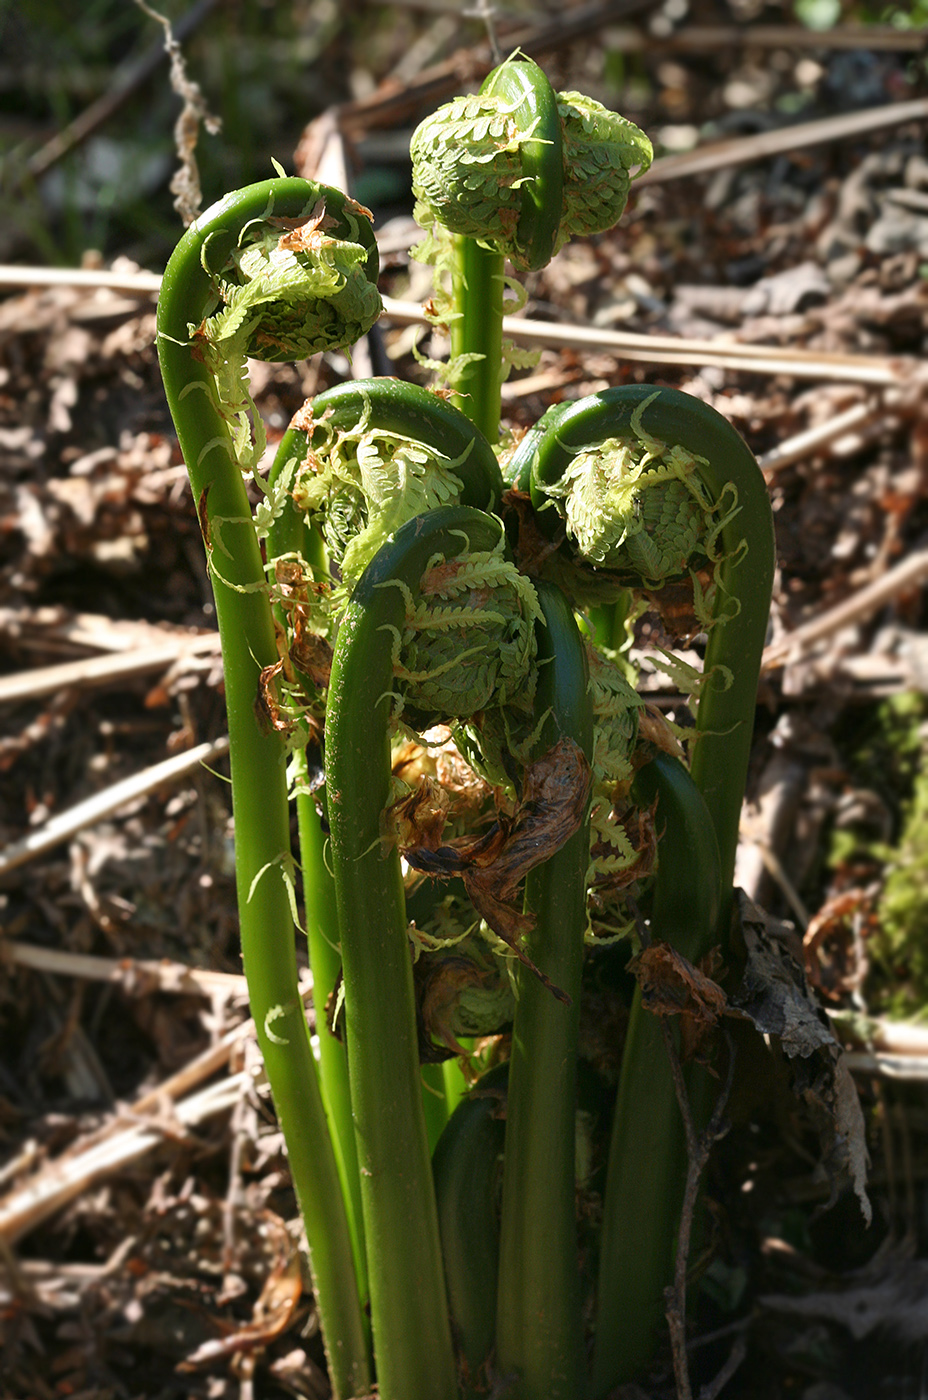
421 602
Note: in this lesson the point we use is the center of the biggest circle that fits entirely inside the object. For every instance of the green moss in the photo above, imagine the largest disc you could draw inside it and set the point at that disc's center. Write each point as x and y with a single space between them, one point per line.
901 940
891 756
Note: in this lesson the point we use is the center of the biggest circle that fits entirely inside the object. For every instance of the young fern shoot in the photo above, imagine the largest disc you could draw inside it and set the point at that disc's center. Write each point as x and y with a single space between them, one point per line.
513 172
231 290
634 487
381 669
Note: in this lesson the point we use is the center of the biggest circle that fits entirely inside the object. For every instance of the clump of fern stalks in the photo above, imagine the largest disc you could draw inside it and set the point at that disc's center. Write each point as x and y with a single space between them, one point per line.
425 639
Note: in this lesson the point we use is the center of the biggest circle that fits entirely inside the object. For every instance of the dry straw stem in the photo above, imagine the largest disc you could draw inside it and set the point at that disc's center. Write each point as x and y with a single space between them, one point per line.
881 370
142 1125
878 370
104 804
54 630
114 1148
859 607
103 670
801 445
744 150
895 1049
387 106
138 976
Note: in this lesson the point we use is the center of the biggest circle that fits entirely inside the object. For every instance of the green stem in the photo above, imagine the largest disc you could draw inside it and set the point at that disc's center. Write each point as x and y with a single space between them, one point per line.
539 1334
289 535
325 962
609 621
477 329
434 1103
407 410
412 1337
456 1086
647 1156
258 761
465 1166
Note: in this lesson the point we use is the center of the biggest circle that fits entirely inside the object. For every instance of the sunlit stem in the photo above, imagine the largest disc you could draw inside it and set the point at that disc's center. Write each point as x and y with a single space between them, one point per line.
477 329
325 962
289 536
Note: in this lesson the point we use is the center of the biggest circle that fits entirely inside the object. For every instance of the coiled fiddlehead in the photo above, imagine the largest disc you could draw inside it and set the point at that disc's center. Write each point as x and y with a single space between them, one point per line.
523 169
363 458
467 643
726 520
513 172
287 268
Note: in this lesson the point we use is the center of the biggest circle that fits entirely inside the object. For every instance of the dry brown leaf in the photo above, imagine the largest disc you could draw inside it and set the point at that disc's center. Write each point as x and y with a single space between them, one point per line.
775 996
268 710
833 944
555 795
673 986
653 727
416 822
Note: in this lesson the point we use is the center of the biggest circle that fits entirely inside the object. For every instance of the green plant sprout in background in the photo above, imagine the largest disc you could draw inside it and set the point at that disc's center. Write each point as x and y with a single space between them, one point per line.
446 621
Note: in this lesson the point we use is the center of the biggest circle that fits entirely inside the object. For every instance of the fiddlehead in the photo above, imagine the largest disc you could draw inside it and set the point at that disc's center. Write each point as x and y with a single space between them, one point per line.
277 271
363 458
523 169
467 643
710 507
505 173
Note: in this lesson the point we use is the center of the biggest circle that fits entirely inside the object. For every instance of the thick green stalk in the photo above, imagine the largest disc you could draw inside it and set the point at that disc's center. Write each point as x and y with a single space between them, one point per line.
725 718
456 1086
412 1336
539 1336
434 1103
258 759
465 1166
477 329
325 962
289 535
647 1155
